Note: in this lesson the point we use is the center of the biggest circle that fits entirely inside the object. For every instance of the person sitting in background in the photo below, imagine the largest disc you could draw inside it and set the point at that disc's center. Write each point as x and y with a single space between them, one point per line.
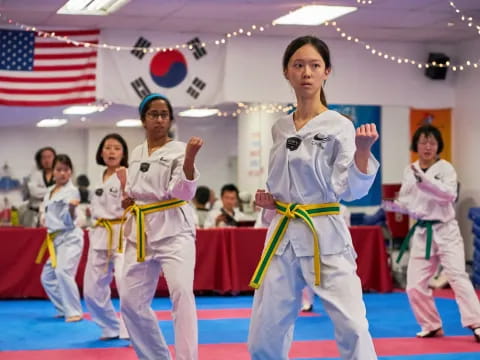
200 201
83 210
227 215
40 180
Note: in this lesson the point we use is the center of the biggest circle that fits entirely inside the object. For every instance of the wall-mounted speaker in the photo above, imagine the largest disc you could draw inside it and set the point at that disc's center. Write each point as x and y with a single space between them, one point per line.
436 72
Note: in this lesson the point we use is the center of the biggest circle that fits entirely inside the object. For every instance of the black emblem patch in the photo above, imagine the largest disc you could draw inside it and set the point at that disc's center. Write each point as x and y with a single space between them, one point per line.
320 140
293 143
144 167
99 192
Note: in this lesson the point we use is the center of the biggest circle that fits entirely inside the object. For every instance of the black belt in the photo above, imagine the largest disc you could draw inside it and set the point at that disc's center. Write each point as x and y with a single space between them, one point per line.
36 209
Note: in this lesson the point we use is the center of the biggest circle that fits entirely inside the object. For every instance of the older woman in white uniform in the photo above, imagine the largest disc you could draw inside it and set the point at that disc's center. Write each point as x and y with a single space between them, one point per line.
316 160
160 235
104 261
428 193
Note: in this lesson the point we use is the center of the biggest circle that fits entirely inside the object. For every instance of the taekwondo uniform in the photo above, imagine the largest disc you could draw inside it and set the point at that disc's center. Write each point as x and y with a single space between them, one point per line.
37 188
430 199
58 274
160 239
314 165
104 260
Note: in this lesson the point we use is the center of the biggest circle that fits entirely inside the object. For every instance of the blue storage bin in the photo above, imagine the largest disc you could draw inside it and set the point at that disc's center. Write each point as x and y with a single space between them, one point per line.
474 215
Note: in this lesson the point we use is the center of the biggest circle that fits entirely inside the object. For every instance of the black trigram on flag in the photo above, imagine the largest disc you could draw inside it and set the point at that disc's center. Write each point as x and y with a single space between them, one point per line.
197 86
197 49
141 43
140 87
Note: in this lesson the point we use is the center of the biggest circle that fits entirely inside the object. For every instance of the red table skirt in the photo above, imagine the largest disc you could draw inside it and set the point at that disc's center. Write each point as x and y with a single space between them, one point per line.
226 259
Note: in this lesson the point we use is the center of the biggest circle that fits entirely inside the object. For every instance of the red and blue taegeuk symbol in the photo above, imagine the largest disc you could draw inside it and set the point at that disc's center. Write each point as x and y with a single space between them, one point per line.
168 69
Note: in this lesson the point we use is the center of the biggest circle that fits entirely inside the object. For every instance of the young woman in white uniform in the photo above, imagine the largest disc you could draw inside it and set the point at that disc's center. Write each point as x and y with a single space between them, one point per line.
160 235
64 242
428 193
104 261
317 159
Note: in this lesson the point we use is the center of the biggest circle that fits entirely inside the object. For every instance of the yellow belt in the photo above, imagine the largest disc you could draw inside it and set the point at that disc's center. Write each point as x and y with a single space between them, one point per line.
107 224
293 211
139 211
48 244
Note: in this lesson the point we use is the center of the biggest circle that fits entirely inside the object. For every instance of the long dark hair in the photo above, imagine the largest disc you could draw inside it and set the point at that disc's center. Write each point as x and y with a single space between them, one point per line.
321 48
121 140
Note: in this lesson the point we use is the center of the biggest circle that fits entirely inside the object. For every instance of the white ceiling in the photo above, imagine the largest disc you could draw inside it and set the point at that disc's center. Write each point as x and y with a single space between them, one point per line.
391 20
408 20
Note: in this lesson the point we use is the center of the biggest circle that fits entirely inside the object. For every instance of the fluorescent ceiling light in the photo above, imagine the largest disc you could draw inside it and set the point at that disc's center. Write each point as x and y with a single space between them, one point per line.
82 109
91 7
198 112
51 122
313 15
129 123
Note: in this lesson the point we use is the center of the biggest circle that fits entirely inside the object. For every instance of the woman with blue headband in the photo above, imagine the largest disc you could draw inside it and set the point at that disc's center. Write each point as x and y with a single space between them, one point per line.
160 234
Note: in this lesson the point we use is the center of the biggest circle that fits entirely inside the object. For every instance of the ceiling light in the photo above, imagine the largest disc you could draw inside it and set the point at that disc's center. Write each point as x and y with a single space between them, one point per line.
198 112
82 109
51 122
313 15
129 123
91 7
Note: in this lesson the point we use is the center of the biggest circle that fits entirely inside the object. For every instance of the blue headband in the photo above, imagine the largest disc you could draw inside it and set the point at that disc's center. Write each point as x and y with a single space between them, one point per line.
147 98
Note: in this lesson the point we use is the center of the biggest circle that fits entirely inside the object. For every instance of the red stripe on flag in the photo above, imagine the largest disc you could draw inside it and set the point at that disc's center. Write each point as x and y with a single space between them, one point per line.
47 103
74 32
50 45
46 91
65 56
64 67
47 79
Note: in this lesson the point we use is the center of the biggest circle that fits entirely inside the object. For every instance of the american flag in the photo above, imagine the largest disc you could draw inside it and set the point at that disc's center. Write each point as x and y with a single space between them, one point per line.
42 71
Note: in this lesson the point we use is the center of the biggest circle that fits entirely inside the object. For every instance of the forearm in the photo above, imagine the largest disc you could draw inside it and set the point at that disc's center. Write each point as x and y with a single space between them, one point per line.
361 160
189 168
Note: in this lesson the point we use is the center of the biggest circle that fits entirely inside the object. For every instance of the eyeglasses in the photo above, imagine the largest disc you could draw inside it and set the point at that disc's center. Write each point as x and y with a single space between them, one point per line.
154 115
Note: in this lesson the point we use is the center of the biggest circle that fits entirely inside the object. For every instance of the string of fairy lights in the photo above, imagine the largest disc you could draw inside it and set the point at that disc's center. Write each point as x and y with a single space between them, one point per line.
247 108
251 30
466 19
246 31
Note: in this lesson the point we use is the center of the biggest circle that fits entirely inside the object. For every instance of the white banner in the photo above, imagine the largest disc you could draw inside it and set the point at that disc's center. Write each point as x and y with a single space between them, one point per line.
190 76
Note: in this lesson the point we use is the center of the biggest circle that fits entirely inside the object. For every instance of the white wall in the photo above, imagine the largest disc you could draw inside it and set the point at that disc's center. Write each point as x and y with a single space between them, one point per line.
19 145
217 160
254 74
466 133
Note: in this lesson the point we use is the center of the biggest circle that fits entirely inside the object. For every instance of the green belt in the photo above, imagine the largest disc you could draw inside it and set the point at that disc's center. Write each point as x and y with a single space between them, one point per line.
428 224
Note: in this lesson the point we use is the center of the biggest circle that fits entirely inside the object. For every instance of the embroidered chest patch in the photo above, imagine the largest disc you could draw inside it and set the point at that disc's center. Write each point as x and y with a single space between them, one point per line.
320 140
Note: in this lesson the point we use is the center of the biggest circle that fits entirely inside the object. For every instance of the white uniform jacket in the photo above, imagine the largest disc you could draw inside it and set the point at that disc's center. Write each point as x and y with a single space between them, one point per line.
160 177
106 203
433 197
321 170
56 209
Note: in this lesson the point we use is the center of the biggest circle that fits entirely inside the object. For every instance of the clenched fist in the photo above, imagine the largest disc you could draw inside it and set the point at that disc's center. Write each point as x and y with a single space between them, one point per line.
193 146
264 200
365 136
